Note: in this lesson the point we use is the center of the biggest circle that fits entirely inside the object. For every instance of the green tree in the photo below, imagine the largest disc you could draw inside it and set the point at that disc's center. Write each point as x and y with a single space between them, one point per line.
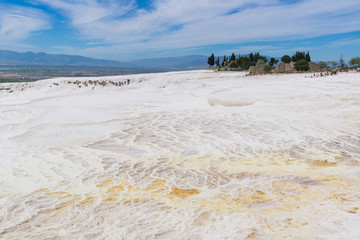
333 63
262 58
286 59
354 61
233 64
267 68
342 62
260 62
233 58
298 56
273 61
307 57
243 62
302 65
211 60
224 62
217 62
323 65
256 56
251 57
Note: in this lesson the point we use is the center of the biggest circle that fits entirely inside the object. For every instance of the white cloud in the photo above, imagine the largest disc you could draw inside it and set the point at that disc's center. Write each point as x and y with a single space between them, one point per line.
252 48
174 24
17 23
344 42
83 12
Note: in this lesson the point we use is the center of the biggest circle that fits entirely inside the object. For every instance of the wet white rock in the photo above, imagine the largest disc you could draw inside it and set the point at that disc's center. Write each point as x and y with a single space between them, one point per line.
183 155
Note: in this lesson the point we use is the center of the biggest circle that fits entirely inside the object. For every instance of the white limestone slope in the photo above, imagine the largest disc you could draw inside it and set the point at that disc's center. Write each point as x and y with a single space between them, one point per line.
182 155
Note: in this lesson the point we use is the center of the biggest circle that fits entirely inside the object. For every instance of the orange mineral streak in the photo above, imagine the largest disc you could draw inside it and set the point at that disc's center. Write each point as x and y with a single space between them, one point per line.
319 163
88 200
183 193
157 186
106 183
115 189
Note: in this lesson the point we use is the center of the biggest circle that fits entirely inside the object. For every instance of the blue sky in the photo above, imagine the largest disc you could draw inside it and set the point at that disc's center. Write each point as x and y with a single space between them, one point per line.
131 29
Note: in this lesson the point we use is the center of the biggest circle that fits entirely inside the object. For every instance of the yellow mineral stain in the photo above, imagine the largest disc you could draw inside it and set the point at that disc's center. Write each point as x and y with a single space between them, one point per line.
106 183
132 201
183 193
88 200
352 211
56 193
157 186
65 205
329 178
115 189
250 196
252 235
110 199
319 163
60 195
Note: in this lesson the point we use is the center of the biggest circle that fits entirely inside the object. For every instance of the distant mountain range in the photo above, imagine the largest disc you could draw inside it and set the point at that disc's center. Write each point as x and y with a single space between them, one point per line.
191 62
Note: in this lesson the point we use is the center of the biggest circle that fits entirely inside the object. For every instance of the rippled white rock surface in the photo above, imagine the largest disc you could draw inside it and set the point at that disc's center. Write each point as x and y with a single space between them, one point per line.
187 155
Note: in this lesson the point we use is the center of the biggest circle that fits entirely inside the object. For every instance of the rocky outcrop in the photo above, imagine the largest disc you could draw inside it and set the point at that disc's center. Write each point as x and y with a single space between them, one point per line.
283 68
314 67
260 69
292 65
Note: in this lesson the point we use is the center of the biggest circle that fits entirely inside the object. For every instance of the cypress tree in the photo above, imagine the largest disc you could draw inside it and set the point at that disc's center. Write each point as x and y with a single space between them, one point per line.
217 62
342 62
251 57
299 56
232 58
211 60
257 56
224 61
307 57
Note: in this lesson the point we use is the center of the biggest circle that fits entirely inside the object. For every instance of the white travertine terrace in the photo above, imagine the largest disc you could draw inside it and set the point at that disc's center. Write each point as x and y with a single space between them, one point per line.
183 155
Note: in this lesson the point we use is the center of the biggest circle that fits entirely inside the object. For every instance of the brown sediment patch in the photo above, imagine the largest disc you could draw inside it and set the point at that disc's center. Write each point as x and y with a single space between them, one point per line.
64 194
114 193
319 163
115 189
66 205
351 211
110 199
279 190
183 193
252 196
157 186
253 234
88 200
132 201
106 183
342 197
